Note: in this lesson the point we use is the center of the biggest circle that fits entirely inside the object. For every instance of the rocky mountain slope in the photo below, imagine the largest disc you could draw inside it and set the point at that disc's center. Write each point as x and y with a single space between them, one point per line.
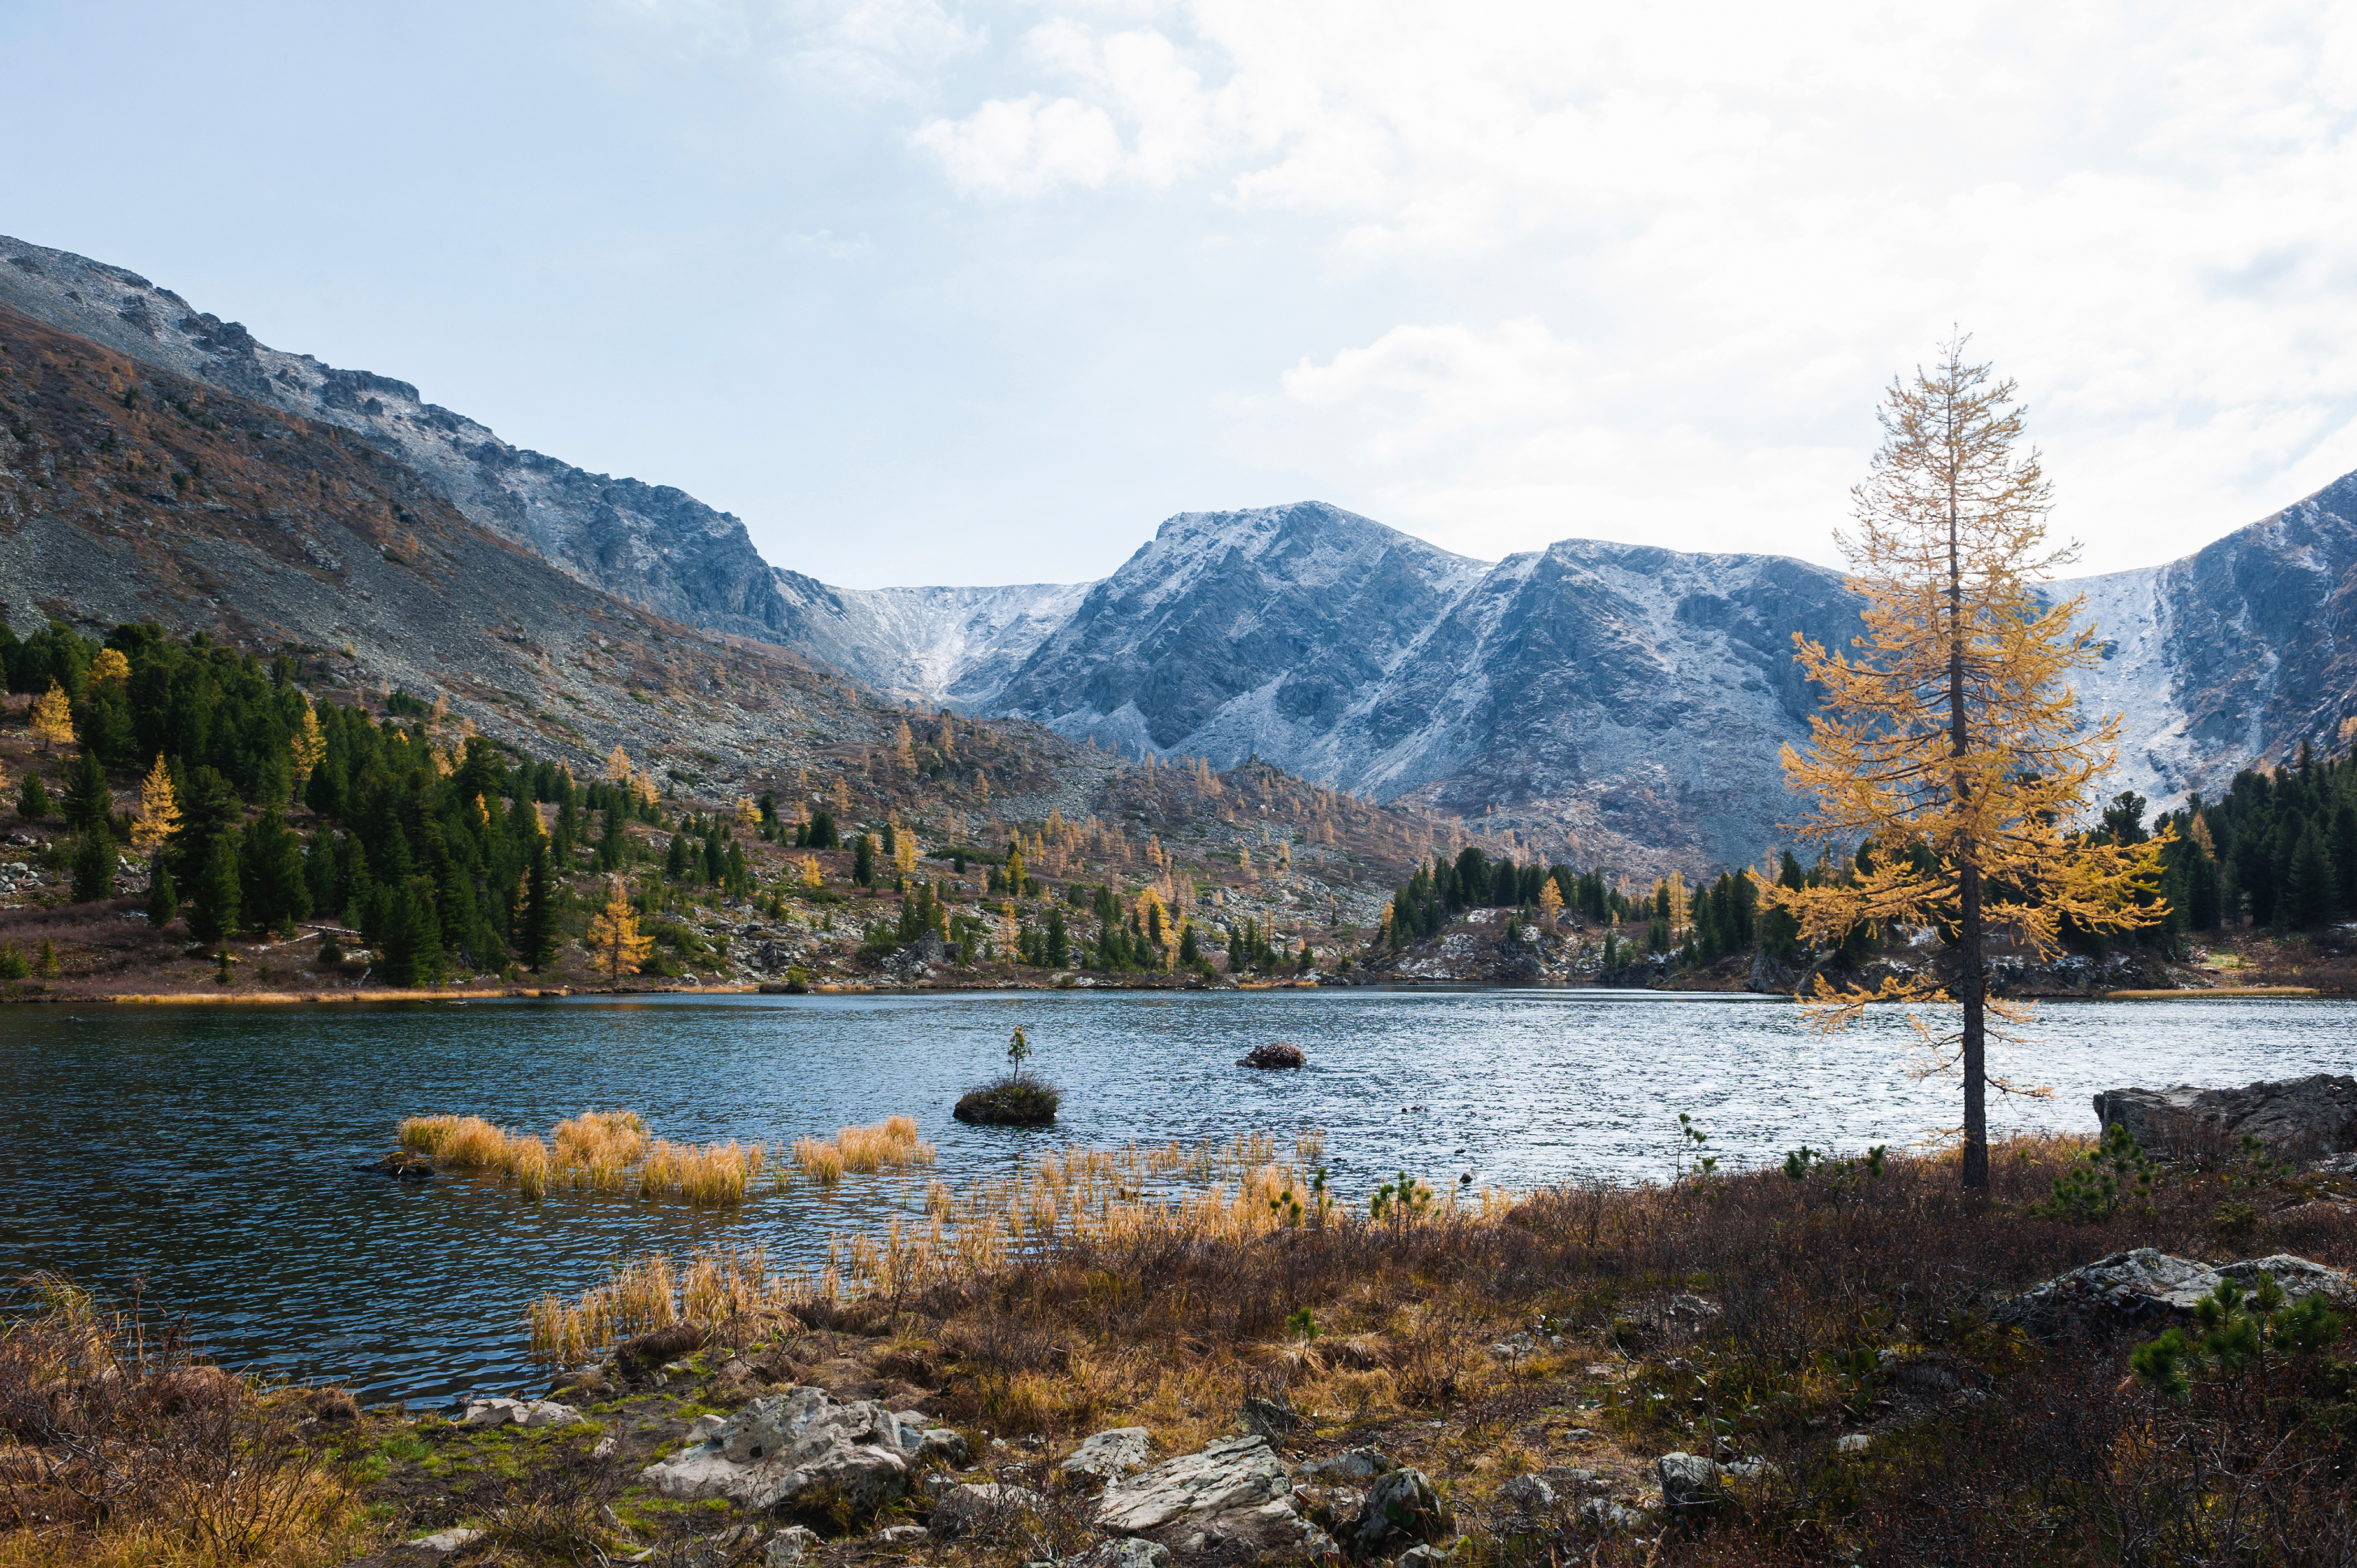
1608 702
649 545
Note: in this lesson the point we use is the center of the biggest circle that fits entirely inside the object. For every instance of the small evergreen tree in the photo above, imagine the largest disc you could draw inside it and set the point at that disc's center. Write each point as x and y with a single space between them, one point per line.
87 801
213 899
32 799
536 938
2310 889
163 898
863 861
93 866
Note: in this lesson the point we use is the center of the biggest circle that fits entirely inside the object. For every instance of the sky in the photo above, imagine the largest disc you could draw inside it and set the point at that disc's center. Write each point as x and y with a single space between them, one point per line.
936 293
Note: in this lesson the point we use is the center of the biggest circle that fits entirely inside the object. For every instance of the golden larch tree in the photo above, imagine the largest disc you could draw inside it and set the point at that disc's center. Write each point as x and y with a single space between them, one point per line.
110 666
52 717
749 815
1550 903
614 939
160 810
1950 743
307 747
618 766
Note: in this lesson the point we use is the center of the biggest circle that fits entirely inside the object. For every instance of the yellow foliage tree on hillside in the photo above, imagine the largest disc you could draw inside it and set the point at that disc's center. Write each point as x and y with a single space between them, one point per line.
307 747
52 717
160 810
1950 743
110 666
614 939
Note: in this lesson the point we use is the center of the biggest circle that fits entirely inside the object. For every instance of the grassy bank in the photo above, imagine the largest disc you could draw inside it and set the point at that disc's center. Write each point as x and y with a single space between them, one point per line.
1577 1333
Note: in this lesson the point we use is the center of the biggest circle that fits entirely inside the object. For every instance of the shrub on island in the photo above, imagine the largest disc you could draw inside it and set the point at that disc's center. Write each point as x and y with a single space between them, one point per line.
1010 1101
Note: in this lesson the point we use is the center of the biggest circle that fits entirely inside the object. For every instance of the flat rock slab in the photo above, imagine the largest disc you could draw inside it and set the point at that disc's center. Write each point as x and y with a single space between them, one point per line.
775 1449
1111 1454
517 1413
1232 1492
2149 1287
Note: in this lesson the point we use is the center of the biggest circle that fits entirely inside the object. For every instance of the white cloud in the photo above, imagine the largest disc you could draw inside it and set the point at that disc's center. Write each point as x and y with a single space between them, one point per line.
1702 239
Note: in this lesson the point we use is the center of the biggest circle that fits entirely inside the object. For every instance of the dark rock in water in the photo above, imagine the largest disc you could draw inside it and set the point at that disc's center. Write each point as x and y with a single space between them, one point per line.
1278 1055
2293 1118
401 1166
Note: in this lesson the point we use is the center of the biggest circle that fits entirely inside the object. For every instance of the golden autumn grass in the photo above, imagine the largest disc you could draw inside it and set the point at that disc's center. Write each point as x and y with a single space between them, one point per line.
120 1450
891 1143
596 1152
1160 1287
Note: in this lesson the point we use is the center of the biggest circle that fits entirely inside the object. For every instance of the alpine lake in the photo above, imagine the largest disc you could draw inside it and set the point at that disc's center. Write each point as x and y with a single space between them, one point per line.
200 1159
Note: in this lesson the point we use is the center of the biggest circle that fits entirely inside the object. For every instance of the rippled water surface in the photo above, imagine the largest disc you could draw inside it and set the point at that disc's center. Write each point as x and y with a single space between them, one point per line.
206 1150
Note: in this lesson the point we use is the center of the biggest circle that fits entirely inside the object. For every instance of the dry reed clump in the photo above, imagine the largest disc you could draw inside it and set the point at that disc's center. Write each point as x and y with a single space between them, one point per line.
598 1151
889 1143
117 1447
646 1294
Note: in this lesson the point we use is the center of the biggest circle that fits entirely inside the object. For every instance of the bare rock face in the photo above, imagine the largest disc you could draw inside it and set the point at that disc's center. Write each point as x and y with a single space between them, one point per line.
1402 1509
2149 1289
1234 1492
1110 1454
776 1449
2293 1118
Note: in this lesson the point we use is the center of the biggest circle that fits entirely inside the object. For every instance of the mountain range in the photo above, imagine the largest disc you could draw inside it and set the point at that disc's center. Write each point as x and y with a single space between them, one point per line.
1600 700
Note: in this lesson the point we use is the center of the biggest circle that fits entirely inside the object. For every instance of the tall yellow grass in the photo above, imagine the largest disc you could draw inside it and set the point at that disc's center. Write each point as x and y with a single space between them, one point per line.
717 1284
606 1151
891 1143
1078 1198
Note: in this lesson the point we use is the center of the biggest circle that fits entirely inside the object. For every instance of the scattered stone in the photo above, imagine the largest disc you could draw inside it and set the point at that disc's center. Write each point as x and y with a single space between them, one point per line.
436 1547
1402 1506
776 1448
1273 1056
785 1549
1528 1494
1423 1557
1689 1482
401 1166
1234 1491
1127 1552
1267 1418
517 1413
1852 1442
2292 1118
607 1446
2336 1164
1350 1465
1111 1454
901 1534
1606 1514
974 1503
2148 1287
704 1426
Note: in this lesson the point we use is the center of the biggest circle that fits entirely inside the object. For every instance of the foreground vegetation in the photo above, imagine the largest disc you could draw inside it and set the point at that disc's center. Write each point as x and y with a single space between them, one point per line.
1578 1333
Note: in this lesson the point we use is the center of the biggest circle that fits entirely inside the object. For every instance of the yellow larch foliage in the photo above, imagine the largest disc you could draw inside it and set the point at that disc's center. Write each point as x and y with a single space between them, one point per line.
904 745
110 665
618 766
1681 905
160 810
749 815
904 852
810 875
614 939
1949 742
1550 903
52 717
947 740
307 747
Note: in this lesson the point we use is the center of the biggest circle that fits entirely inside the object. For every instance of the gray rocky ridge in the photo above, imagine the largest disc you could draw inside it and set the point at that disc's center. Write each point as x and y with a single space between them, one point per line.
1603 700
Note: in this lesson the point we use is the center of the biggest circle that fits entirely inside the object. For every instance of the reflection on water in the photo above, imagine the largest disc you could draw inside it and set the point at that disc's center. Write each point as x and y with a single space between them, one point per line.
207 1151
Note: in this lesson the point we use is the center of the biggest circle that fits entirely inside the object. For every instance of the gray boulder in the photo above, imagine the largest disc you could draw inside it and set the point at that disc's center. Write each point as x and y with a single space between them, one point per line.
978 1505
1110 1454
1693 1484
1402 1506
1350 1465
2148 1288
775 1449
1528 1494
2292 1118
785 1549
1234 1491
517 1413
